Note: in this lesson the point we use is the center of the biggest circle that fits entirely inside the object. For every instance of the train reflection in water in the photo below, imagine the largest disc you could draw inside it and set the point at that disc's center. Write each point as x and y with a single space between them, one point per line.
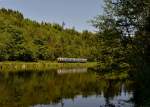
71 70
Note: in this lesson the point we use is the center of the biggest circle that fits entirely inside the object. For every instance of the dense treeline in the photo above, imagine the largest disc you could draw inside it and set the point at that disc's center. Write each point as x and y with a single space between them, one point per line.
124 34
128 23
27 40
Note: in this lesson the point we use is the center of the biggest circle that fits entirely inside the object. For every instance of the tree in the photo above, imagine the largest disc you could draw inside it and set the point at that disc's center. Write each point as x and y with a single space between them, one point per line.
127 18
27 40
131 20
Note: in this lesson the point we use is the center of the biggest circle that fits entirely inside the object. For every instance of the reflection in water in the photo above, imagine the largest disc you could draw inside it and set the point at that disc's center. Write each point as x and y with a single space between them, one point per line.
71 70
141 96
49 89
93 101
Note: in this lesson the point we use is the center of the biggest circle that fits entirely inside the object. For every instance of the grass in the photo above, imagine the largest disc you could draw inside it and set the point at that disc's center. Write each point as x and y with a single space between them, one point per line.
14 66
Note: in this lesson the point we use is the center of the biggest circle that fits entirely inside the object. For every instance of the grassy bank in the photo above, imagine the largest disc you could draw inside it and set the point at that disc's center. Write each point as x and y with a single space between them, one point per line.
40 65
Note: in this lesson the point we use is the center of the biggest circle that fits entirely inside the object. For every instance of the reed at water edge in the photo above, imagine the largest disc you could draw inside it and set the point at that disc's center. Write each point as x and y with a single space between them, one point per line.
15 66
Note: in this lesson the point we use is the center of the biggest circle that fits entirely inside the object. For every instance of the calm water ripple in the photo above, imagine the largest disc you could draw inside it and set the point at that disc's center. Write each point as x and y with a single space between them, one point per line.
61 88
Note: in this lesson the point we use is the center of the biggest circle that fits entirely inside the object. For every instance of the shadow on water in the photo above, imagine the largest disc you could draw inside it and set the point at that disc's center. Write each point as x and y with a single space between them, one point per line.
55 89
141 95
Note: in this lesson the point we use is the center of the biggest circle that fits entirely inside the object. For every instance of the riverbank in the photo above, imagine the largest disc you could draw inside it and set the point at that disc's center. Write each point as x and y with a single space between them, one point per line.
14 66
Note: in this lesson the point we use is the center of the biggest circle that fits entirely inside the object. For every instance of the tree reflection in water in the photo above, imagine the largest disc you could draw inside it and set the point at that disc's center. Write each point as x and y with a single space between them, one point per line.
49 88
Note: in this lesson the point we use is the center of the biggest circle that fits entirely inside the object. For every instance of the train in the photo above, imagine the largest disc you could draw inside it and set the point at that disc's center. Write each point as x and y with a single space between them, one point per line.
71 60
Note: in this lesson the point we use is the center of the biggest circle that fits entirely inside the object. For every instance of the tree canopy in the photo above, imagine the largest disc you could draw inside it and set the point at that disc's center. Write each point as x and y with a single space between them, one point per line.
127 23
27 40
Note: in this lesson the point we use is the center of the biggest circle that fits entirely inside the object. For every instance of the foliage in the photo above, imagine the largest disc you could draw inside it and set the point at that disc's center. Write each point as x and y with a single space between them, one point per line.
131 20
122 20
26 40
112 54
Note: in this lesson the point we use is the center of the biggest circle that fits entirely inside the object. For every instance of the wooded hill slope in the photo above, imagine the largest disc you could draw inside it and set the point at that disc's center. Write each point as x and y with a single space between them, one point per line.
27 40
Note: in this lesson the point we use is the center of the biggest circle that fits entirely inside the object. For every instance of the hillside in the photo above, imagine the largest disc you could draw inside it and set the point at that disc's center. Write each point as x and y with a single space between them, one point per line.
27 40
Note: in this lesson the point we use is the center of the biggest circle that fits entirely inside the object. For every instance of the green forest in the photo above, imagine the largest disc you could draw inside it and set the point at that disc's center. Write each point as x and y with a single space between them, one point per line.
26 40
121 43
122 39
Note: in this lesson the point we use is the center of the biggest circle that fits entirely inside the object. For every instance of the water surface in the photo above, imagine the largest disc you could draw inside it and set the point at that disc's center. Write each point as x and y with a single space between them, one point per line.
63 88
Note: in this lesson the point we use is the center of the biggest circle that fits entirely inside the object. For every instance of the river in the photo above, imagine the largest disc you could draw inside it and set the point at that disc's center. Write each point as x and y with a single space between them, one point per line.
63 88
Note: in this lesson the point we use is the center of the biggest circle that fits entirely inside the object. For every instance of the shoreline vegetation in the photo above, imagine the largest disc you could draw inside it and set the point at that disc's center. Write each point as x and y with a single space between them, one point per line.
15 66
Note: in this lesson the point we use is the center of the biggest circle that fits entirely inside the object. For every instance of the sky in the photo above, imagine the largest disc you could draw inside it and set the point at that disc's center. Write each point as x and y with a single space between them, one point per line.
75 13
